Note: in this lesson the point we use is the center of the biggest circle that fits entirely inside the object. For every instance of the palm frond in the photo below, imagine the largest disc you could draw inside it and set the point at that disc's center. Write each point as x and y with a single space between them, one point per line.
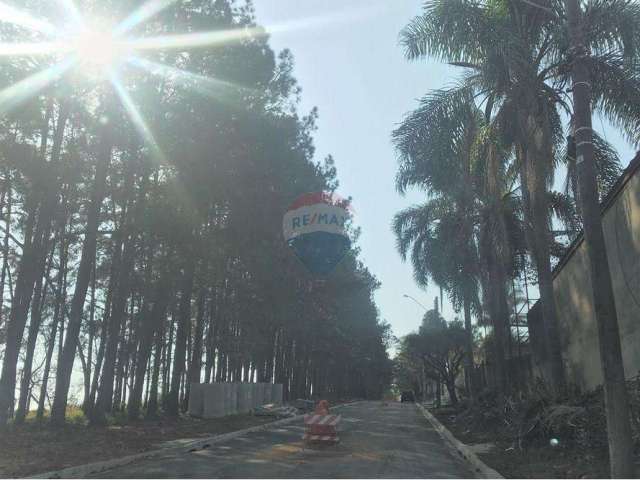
613 26
453 30
432 139
607 163
616 92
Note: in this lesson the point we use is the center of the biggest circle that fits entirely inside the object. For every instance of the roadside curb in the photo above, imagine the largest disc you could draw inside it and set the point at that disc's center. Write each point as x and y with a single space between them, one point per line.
82 471
479 467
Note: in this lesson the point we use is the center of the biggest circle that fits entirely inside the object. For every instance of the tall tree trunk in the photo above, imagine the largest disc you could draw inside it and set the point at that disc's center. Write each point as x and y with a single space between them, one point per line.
87 406
119 370
534 174
58 315
116 257
152 406
500 320
34 329
47 368
151 323
34 249
615 391
181 337
63 377
5 249
166 371
196 359
451 388
468 356
122 271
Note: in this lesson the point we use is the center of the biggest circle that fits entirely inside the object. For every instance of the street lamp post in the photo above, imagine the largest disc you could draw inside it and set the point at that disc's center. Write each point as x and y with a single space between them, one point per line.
410 297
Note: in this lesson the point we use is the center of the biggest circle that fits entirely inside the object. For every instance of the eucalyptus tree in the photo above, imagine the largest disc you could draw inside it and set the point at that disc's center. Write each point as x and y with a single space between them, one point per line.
517 59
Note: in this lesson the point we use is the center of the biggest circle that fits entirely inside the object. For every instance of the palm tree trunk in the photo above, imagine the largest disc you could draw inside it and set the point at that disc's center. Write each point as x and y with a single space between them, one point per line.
500 318
535 195
468 356
615 390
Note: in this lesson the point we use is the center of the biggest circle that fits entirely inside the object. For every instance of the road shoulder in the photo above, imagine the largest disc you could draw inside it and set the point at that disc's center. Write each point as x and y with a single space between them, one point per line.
460 449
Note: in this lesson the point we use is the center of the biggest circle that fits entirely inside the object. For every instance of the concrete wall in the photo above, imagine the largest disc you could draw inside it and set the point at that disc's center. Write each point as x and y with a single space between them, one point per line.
211 400
574 300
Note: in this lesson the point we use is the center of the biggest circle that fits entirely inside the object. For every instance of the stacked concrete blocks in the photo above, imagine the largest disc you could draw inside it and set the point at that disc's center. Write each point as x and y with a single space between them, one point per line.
212 400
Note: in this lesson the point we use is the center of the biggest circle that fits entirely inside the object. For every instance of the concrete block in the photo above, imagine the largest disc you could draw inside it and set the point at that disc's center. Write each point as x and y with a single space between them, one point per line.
262 392
232 399
196 400
245 397
267 393
228 407
258 394
214 405
276 393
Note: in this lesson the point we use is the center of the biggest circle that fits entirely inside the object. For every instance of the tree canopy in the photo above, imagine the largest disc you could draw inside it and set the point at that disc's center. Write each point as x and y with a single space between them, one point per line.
142 244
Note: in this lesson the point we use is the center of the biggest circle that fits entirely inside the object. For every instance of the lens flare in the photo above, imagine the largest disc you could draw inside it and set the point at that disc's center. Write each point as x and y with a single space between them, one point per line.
72 12
33 49
12 96
208 86
10 14
103 48
98 48
196 40
142 14
138 120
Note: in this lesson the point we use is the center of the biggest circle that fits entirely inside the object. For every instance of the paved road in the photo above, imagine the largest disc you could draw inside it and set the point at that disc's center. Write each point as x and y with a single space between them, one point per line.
377 441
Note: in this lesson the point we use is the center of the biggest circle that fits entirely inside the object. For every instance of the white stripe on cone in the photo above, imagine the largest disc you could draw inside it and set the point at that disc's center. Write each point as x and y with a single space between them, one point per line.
321 438
322 419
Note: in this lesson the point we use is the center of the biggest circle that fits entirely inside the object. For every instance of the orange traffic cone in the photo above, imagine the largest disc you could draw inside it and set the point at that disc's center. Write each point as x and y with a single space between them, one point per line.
321 426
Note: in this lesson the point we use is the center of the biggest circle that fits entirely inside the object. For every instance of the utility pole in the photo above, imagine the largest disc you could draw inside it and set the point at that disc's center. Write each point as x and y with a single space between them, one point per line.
615 392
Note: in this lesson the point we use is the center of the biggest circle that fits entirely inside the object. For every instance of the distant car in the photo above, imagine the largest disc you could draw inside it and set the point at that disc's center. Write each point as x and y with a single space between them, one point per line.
407 397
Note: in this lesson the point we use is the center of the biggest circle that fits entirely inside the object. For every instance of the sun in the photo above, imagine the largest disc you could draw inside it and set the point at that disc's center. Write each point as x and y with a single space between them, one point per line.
98 49
105 50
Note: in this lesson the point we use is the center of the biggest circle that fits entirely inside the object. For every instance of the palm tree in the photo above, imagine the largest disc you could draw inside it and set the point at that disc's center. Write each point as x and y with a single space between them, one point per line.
614 382
500 235
517 61
435 144
447 146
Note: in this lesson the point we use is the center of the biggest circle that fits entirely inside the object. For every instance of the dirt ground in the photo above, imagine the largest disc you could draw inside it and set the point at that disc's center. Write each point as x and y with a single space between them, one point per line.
532 461
37 448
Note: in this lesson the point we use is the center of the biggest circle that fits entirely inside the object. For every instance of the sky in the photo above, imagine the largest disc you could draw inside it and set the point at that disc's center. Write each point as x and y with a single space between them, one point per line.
350 65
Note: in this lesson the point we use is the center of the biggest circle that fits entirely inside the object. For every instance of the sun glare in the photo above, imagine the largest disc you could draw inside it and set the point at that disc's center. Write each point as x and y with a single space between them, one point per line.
98 49
102 51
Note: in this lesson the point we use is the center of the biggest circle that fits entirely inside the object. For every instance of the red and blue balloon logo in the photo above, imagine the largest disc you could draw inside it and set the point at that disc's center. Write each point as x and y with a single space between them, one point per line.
315 227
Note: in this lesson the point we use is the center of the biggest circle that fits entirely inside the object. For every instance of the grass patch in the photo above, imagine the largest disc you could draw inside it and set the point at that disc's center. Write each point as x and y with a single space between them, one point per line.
37 447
